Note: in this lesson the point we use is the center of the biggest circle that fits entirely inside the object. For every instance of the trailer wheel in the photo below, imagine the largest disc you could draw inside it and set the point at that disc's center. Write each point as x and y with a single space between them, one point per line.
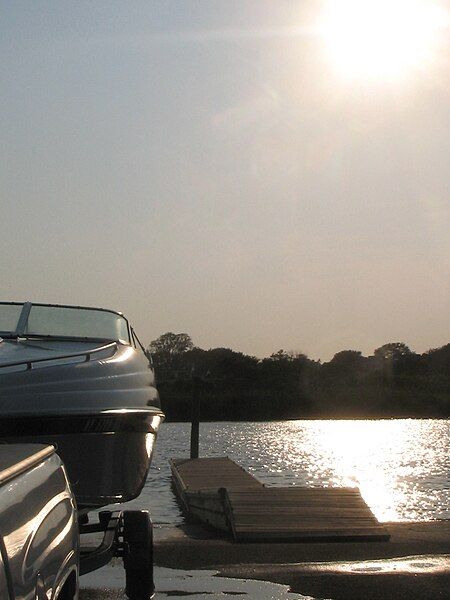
138 559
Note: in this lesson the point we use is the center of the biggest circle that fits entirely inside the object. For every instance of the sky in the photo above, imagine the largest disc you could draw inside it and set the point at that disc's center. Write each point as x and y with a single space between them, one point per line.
230 169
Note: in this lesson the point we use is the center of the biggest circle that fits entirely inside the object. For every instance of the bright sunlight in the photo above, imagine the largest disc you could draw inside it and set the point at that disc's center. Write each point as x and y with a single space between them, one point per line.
382 39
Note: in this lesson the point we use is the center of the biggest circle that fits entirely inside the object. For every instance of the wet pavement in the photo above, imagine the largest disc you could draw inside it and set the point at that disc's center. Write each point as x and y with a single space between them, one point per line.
108 584
422 577
413 565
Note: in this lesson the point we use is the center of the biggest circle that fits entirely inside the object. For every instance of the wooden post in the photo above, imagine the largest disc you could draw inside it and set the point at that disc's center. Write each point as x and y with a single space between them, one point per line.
195 417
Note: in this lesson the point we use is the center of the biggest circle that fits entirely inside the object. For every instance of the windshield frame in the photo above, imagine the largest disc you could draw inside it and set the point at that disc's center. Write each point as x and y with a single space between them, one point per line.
24 314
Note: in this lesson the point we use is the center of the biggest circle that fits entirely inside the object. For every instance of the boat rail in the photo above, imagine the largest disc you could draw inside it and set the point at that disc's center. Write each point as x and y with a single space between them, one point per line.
86 353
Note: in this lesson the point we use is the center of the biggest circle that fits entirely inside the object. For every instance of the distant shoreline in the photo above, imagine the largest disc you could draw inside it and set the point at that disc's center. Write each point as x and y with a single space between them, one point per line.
319 418
393 383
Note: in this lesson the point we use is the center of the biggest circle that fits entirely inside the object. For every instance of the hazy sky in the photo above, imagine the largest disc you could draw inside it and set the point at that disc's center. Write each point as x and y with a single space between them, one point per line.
204 167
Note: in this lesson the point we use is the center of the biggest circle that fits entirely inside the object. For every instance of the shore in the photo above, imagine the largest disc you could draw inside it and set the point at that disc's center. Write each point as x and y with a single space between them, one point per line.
413 565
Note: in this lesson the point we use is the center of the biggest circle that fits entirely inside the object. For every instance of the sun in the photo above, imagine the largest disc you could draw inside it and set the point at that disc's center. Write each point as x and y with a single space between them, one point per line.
381 39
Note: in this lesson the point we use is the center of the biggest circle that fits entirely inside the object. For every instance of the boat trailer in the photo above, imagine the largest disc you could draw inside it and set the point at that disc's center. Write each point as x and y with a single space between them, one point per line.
127 534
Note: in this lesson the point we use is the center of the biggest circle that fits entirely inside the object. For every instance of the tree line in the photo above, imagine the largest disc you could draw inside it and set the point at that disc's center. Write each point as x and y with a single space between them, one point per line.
393 382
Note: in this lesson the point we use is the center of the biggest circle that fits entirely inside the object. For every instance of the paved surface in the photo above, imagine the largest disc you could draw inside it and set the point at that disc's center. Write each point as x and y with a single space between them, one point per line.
194 585
414 565
409 578
194 547
412 578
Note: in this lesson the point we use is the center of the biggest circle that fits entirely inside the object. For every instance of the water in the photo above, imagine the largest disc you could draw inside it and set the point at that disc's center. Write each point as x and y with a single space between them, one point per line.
402 467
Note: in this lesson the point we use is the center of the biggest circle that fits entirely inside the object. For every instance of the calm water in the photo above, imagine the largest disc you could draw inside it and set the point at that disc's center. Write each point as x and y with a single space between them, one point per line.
402 467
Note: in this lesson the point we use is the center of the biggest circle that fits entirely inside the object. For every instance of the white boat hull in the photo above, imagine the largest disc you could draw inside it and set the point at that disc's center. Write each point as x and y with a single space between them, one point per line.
95 401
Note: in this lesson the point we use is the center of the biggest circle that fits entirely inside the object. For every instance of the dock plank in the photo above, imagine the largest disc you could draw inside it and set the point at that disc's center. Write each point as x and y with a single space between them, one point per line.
209 473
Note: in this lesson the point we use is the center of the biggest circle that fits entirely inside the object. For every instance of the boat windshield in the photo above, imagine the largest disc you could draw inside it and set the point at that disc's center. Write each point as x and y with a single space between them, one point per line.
40 320
9 317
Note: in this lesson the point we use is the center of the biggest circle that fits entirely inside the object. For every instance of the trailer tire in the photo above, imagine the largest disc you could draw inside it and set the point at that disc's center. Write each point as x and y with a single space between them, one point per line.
138 559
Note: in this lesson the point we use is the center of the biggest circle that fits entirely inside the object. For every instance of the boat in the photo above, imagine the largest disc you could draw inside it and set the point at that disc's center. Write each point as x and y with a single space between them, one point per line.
79 378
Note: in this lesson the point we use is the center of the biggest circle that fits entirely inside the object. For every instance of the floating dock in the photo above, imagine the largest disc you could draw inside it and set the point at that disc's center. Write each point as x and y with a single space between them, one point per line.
222 494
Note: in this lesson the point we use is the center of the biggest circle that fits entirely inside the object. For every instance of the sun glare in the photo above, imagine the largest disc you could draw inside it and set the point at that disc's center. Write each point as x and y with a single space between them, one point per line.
381 39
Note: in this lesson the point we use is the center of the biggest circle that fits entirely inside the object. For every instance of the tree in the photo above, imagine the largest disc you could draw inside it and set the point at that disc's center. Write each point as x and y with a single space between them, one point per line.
391 360
166 349
347 358
283 355
392 351
227 363
345 368
171 343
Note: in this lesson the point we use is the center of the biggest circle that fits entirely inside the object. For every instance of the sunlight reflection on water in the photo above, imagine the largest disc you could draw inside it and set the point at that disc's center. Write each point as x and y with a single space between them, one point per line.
402 467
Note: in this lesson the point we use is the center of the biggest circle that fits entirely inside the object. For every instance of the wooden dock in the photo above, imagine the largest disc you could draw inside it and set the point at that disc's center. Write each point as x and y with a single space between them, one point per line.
220 493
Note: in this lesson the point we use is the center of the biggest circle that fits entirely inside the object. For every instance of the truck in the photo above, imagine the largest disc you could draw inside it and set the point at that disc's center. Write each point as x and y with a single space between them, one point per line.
39 532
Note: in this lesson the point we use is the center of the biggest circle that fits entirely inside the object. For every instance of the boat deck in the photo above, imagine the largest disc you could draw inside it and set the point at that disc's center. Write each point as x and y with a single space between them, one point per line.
220 493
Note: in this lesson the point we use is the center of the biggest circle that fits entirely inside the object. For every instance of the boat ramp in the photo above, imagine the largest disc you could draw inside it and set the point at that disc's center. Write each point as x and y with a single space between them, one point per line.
222 494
